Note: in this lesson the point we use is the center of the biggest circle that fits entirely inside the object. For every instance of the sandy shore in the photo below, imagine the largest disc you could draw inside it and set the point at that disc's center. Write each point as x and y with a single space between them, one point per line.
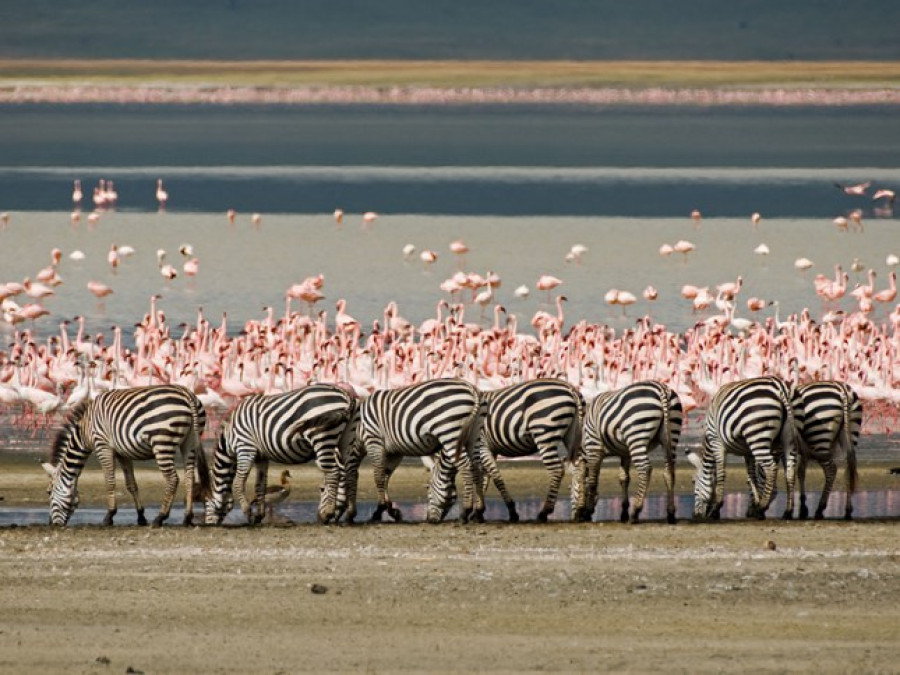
737 596
734 597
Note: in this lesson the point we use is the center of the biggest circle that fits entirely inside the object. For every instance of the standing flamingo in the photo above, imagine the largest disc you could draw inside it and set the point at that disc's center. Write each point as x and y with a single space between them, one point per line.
161 195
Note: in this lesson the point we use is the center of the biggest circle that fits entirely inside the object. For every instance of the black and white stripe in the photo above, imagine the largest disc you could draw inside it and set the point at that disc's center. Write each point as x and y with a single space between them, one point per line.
539 416
628 423
832 420
757 419
124 425
290 428
436 417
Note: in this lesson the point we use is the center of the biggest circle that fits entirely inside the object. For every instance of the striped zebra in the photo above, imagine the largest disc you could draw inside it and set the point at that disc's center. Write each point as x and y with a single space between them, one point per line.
629 423
290 428
125 425
759 420
832 419
436 417
539 416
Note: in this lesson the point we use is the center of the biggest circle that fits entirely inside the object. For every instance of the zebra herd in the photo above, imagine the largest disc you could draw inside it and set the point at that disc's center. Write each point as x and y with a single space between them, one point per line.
766 420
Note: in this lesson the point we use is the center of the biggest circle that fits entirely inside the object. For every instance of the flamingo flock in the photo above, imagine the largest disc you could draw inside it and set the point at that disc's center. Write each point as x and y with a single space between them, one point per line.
470 335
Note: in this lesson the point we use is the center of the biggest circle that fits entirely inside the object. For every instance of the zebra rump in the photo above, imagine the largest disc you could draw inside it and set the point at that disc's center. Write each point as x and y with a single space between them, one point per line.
629 423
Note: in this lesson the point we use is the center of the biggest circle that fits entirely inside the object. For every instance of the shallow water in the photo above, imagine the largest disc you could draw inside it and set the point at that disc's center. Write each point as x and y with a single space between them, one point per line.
244 269
867 504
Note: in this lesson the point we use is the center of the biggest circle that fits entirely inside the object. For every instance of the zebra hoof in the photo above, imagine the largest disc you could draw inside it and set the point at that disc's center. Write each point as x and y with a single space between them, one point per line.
395 514
188 520
141 519
787 515
514 516
803 513
158 521
542 517
671 519
848 515
623 518
108 519
478 517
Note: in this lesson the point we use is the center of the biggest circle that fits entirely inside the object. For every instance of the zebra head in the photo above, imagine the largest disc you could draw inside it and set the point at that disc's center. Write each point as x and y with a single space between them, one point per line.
67 459
221 500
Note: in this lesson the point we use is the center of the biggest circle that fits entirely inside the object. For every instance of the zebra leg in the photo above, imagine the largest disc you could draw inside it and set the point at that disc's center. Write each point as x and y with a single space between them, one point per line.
326 459
165 459
801 482
239 487
492 473
830 469
107 458
188 487
670 486
644 470
260 487
376 451
790 479
351 484
624 480
753 480
850 478
551 456
576 489
769 474
131 486
441 488
592 454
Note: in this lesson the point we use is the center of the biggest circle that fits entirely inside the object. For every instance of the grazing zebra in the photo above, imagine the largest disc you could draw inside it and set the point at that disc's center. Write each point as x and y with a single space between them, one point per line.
832 419
436 417
759 420
629 423
290 428
539 416
125 425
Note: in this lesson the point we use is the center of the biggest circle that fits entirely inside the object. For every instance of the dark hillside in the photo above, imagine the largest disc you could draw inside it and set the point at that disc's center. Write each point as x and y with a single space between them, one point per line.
457 29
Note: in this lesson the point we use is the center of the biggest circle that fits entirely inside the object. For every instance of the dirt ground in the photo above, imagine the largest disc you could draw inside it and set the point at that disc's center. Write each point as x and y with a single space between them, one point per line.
734 596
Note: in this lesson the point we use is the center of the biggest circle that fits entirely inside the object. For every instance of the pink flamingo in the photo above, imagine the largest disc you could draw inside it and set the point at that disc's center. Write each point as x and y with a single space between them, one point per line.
99 289
888 294
162 197
859 189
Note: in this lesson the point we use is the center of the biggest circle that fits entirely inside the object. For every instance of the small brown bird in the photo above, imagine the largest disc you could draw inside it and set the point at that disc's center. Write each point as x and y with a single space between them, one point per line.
275 494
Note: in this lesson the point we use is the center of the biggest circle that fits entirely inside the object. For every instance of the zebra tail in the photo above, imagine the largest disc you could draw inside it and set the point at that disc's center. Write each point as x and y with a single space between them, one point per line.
203 471
664 400
851 476
575 435
201 460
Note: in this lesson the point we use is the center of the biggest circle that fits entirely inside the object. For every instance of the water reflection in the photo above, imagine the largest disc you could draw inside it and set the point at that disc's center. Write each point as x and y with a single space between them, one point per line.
867 504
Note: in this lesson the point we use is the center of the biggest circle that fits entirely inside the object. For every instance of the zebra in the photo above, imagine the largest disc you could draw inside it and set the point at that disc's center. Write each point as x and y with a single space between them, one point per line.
290 428
832 419
125 425
436 417
538 416
758 419
628 422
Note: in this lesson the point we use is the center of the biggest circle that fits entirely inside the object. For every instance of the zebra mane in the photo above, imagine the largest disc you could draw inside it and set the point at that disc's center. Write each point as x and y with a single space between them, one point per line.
65 433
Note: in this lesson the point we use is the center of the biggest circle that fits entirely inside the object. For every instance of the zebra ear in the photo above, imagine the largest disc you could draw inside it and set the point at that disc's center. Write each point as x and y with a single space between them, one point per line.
50 469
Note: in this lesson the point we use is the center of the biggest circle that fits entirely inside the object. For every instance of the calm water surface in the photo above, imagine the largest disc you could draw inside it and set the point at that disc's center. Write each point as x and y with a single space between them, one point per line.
244 269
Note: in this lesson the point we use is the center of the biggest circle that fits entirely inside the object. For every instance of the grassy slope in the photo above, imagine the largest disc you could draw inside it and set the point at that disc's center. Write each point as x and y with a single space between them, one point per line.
452 29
